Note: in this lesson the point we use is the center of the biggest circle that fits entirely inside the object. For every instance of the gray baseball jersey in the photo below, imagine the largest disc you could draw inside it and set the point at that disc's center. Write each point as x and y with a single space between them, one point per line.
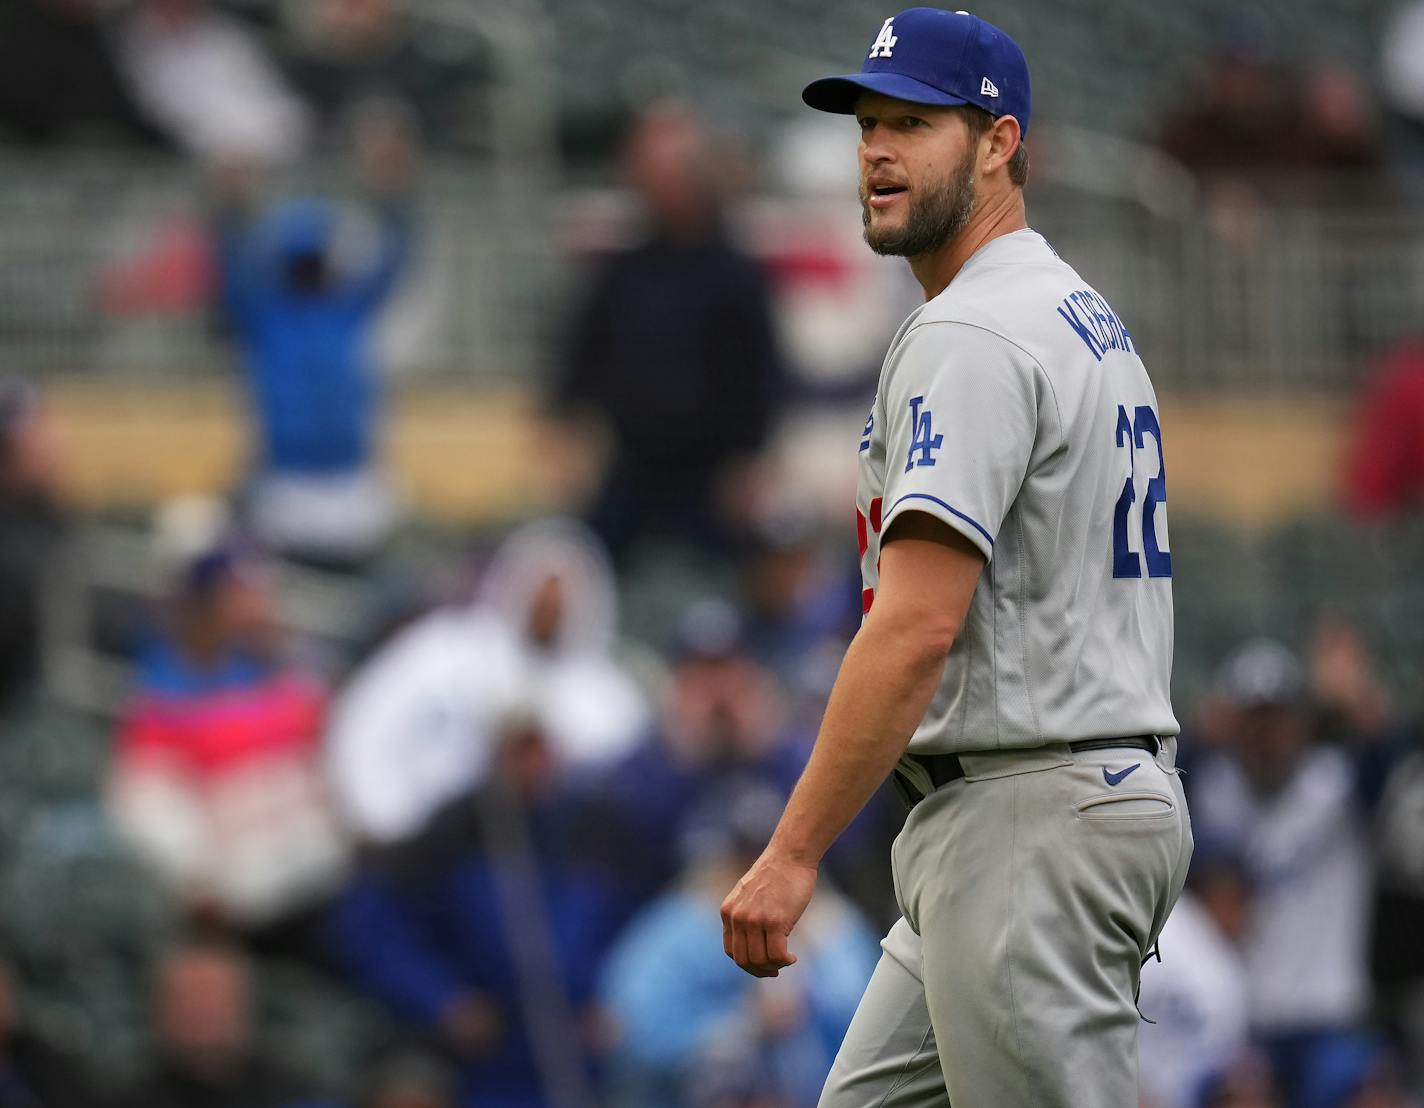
1014 407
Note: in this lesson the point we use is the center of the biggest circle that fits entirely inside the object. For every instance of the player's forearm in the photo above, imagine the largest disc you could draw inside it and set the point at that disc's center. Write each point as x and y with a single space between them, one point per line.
885 685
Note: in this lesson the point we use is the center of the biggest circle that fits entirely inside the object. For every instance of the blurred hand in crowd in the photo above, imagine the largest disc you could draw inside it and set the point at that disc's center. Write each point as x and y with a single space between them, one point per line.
473 1025
384 148
1343 678
526 763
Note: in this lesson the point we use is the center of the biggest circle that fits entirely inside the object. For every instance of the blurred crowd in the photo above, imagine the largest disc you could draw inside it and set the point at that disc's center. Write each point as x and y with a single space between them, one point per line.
498 816
509 826
217 83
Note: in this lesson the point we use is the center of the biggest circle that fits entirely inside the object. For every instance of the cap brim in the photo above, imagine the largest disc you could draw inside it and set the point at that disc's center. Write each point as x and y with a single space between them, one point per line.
839 94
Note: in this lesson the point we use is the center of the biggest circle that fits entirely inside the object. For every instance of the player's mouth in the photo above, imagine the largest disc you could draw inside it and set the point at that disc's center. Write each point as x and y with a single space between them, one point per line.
881 195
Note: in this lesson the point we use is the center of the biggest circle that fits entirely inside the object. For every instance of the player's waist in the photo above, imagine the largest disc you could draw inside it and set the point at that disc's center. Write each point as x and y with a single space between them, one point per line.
918 774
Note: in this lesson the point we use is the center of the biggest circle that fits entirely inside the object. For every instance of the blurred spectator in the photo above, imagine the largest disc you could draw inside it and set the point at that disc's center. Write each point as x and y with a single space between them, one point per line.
414 728
1397 953
1195 997
673 348
1249 114
1336 128
487 930
206 1052
722 719
34 1073
1238 113
1295 810
58 78
32 526
1253 130
303 321
349 57
689 1028
207 82
1384 472
800 613
217 778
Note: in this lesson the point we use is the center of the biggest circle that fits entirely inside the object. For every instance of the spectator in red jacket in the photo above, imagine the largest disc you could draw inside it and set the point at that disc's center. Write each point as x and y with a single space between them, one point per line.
216 782
1384 472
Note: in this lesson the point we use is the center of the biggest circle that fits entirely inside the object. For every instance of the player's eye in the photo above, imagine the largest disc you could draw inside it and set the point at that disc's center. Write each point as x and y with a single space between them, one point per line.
866 123
910 122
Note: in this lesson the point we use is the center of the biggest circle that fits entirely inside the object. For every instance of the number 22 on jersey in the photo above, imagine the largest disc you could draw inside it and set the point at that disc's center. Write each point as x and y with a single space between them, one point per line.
1132 432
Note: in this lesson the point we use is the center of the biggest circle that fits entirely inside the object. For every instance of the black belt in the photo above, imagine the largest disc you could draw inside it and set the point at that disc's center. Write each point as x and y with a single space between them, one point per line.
944 768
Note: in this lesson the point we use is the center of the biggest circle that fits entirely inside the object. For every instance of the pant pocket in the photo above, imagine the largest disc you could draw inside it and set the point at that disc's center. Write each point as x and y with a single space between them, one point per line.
1134 807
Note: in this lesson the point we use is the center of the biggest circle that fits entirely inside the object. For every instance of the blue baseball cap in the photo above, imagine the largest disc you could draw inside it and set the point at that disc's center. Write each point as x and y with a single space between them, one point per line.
930 56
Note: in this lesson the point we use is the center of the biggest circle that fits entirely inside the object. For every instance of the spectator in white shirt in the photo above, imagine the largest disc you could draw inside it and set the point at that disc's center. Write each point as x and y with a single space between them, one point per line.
416 726
1290 807
206 82
1196 995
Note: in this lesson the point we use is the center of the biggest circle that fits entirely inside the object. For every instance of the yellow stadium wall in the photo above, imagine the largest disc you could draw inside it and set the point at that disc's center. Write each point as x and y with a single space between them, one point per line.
463 456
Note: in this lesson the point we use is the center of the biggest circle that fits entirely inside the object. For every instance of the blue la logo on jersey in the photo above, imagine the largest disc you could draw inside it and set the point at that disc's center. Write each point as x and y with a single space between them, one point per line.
923 440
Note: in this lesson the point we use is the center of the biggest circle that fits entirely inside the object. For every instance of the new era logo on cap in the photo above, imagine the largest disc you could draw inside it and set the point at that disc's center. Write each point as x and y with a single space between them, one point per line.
932 56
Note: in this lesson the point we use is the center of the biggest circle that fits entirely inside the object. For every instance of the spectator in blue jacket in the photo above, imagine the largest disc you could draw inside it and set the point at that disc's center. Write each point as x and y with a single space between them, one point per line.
688 1029
486 931
303 322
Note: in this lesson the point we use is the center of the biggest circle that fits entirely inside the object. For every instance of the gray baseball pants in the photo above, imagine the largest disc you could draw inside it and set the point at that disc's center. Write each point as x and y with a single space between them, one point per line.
1032 889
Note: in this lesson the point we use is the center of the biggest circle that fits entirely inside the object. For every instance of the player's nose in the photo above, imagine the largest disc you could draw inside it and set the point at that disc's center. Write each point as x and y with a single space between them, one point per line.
874 150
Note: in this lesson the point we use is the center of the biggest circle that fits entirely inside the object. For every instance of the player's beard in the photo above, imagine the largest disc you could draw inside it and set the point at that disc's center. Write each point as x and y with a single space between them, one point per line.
937 213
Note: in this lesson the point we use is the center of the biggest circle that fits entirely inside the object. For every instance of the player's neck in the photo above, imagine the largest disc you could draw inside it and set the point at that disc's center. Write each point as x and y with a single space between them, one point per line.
1002 216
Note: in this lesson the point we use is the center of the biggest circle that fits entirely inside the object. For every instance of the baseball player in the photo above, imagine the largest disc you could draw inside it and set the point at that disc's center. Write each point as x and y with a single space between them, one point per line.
1013 665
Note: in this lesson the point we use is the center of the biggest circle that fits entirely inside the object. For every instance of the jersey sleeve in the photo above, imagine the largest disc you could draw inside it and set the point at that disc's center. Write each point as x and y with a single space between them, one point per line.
961 410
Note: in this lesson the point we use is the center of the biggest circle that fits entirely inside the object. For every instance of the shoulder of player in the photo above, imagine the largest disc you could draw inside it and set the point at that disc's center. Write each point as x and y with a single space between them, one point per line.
1043 308
958 331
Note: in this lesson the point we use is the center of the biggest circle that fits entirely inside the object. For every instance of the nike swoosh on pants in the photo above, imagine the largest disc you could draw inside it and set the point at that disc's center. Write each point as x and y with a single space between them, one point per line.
1116 778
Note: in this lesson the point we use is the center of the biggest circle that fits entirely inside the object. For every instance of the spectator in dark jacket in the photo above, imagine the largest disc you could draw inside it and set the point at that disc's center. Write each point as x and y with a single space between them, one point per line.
304 325
673 349
206 1056
31 531
33 1072
486 931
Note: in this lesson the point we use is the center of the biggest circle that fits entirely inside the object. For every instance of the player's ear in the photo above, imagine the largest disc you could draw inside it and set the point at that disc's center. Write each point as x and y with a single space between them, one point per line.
1004 139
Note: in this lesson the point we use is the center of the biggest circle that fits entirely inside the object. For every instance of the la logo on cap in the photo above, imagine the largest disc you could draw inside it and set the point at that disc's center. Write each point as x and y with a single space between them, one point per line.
988 88
885 41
